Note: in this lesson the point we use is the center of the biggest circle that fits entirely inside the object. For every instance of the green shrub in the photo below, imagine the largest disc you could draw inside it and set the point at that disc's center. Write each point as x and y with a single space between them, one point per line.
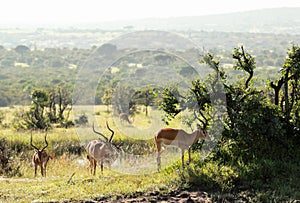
8 165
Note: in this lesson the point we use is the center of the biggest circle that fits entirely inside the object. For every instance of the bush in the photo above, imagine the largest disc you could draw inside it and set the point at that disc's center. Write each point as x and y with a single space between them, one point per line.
209 175
8 167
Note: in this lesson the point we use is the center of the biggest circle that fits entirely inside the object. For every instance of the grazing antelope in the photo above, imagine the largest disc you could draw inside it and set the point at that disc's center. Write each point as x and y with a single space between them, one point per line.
101 151
179 138
124 117
40 157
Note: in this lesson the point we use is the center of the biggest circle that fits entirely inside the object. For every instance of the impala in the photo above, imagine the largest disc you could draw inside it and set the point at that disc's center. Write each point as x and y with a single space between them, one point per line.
124 117
40 157
101 151
179 138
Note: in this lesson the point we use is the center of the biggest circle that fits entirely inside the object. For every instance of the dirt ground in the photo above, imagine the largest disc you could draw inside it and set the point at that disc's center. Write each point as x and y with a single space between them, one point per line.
177 196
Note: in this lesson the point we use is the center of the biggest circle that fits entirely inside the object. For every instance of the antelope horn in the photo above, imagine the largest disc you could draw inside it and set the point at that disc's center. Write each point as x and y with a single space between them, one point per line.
45 142
99 133
112 132
32 144
196 117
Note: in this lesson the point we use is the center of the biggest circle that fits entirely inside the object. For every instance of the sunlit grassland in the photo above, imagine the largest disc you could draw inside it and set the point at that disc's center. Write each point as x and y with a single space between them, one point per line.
82 185
135 172
68 176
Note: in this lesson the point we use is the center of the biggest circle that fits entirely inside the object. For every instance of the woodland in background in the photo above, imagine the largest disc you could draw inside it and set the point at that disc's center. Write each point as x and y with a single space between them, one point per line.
261 131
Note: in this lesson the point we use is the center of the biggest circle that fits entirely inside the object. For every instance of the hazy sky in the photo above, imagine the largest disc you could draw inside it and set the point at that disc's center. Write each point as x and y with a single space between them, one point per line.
79 11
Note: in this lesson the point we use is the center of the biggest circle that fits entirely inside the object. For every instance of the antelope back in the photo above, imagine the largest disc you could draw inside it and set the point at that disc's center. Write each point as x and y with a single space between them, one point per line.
102 151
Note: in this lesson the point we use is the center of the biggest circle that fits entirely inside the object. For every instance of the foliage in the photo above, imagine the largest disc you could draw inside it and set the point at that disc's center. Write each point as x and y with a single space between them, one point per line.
82 120
36 116
2 116
262 179
256 152
146 97
8 166
210 175
48 106
170 103
290 80
22 49
107 98
122 101
258 135
244 62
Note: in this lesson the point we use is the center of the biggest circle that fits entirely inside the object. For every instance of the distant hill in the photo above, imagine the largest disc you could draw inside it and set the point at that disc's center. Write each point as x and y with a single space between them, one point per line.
275 20
272 20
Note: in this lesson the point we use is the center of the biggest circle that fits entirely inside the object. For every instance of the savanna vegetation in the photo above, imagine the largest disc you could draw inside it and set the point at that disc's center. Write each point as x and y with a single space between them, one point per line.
256 157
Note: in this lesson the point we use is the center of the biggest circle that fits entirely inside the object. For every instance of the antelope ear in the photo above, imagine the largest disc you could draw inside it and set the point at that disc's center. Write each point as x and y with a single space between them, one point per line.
198 126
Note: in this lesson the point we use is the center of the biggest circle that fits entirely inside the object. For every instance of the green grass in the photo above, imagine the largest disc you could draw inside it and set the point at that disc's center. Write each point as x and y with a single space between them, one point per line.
80 187
132 176
68 177
60 185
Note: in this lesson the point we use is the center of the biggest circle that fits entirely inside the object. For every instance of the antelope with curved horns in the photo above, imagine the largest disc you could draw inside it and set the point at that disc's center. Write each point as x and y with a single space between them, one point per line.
179 138
101 151
124 117
40 157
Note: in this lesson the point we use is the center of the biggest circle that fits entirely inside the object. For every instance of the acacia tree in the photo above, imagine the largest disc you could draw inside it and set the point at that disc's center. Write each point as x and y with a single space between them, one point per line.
122 100
60 104
52 106
107 98
36 116
146 97
22 49
244 62
288 87
64 103
252 121
170 103
49 106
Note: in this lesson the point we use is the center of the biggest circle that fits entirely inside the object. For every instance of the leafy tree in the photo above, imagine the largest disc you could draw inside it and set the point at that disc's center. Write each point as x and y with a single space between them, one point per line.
245 62
64 102
52 106
22 49
60 101
107 49
122 100
49 106
170 103
289 84
146 97
253 126
107 98
36 117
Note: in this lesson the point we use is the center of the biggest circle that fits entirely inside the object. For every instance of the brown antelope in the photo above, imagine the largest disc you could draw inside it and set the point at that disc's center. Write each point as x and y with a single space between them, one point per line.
102 151
40 157
124 117
179 138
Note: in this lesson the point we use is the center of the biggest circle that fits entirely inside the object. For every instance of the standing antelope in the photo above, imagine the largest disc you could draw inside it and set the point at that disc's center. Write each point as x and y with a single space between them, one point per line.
124 117
179 138
40 157
101 151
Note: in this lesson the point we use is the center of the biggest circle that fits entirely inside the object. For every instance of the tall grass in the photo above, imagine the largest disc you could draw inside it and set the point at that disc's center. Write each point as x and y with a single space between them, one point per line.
68 177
